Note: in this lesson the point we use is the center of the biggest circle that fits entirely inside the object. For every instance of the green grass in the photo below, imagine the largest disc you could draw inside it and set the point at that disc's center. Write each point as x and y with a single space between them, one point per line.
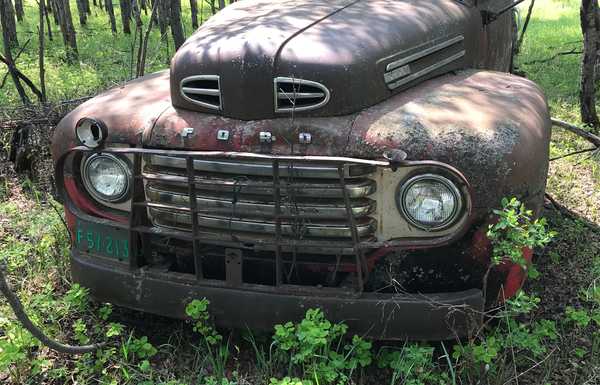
549 336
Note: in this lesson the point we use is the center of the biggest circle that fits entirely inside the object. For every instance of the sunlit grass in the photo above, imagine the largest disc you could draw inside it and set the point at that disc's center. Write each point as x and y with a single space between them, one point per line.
554 28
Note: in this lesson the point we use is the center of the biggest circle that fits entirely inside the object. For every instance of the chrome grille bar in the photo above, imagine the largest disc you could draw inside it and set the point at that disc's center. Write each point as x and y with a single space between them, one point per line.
358 188
336 230
261 168
248 205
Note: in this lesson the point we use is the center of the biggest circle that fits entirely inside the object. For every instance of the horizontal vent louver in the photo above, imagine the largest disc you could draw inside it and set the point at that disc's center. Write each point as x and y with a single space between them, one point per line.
203 90
400 72
299 95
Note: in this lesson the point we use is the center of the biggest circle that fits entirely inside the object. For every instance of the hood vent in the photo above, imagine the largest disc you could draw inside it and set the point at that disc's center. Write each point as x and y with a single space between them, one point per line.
299 95
407 69
203 90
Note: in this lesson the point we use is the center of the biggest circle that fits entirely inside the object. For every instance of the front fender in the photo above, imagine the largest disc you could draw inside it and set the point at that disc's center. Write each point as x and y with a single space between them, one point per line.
493 127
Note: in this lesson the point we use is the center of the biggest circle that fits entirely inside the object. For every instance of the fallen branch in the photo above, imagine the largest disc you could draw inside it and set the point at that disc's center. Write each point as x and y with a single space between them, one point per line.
574 153
539 61
17 308
593 139
22 76
16 58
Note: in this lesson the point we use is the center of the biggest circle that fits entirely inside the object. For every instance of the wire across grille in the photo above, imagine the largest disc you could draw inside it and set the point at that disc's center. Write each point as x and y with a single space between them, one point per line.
238 197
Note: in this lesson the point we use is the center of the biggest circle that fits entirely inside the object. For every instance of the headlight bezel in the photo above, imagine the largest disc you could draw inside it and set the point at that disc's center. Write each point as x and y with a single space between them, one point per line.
123 163
86 135
447 182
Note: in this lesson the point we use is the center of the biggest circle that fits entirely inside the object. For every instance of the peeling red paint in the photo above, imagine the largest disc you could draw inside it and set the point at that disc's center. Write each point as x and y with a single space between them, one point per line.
85 204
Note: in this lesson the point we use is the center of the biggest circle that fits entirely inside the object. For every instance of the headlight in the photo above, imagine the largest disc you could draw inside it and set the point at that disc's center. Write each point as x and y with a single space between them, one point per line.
106 177
429 201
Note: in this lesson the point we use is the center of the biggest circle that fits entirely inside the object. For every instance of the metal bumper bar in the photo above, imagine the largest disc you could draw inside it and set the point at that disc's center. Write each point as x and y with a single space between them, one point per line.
384 317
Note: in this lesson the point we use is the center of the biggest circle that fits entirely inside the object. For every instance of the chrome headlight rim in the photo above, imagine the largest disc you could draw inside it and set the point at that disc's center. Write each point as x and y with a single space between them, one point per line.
448 183
122 163
91 132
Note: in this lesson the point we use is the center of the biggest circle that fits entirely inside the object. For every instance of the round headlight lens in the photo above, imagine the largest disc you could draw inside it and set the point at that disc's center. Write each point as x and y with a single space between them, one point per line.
430 201
106 177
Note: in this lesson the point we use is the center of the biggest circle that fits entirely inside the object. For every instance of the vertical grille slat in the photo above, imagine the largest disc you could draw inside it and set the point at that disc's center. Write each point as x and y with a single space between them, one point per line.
203 90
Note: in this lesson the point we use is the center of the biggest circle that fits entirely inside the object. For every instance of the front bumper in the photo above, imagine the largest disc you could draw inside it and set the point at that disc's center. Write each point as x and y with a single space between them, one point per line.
379 316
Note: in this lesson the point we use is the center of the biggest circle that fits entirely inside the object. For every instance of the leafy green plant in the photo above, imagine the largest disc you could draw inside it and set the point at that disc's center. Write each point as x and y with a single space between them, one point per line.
289 381
516 231
316 348
521 303
579 317
412 365
218 353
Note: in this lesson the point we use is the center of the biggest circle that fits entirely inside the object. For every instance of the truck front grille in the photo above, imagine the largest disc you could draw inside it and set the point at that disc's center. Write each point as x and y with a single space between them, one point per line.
238 198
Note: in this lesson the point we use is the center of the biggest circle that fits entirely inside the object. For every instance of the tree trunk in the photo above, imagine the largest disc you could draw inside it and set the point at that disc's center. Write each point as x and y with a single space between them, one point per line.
53 7
9 59
41 52
587 95
82 12
46 10
176 26
88 9
111 16
19 10
152 4
125 15
9 26
221 4
164 17
143 49
137 17
66 26
194 10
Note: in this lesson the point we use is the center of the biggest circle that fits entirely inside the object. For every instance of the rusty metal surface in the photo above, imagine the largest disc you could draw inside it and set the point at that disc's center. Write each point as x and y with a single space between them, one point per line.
387 317
493 127
139 204
332 42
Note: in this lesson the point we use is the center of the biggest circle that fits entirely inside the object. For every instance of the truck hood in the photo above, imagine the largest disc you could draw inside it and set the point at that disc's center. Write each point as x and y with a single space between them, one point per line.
350 47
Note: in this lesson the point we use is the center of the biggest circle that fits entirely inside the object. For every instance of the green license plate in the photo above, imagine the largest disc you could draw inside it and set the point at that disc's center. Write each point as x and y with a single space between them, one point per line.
107 241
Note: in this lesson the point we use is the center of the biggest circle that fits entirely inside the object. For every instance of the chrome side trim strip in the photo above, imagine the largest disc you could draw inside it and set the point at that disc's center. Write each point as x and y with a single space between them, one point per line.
396 74
299 95
416 56
426 71
201 91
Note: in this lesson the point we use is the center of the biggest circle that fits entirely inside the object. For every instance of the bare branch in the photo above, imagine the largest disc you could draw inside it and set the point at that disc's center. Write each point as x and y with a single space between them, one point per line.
593 139
17 308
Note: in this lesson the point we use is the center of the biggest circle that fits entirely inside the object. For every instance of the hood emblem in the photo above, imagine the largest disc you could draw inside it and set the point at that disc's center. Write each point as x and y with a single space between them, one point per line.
223 135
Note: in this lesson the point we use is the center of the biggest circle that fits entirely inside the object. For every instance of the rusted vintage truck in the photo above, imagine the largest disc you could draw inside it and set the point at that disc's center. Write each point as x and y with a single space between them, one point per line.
340 154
